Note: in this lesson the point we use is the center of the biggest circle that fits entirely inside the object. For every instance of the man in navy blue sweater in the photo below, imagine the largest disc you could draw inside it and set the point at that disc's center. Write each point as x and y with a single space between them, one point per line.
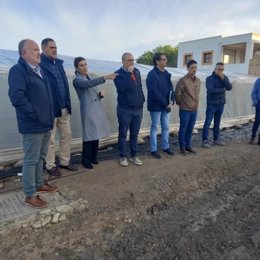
30 94
53 68
160 99
130 102
217 84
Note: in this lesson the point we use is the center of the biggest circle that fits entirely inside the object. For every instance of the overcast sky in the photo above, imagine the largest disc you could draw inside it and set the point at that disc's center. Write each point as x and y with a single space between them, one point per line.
104 29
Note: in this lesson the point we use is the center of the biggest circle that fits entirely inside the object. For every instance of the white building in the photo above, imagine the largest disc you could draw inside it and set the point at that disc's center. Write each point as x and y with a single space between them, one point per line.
236 52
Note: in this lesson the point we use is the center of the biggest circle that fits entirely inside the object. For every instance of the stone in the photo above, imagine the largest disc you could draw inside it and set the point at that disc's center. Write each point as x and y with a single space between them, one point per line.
75 204
28 219
64 209
1 184
2 167
45 212
46 221
62 217
37 224
256 239
55 218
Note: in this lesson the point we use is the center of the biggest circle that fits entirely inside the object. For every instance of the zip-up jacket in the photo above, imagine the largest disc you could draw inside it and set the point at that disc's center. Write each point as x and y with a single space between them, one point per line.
216 89
160 90
129 89
31 96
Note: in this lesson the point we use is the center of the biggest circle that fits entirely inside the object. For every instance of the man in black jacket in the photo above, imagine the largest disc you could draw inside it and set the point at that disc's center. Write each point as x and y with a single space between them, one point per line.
130 102
30 94
53 68
217 84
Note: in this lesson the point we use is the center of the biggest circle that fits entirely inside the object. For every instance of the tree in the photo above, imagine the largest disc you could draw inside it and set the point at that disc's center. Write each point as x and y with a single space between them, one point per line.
170 52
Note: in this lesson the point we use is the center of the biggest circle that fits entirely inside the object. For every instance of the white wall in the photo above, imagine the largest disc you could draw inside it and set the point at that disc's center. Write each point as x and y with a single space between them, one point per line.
197 47
247 38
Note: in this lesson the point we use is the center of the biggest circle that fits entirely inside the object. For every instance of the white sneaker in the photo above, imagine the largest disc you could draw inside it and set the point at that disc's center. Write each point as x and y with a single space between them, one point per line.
205 144
136 161
123 161
219 142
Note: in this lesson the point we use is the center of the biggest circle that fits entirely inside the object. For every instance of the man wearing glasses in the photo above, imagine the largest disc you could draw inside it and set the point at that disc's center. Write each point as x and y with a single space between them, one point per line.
130 102
217 84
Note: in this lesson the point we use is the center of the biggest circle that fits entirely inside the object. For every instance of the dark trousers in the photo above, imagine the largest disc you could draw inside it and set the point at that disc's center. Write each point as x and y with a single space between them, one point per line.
187 122
89 152
257 121
128 119
215 111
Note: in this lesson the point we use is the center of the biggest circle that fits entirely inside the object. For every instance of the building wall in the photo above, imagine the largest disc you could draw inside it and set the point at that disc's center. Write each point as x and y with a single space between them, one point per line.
197 47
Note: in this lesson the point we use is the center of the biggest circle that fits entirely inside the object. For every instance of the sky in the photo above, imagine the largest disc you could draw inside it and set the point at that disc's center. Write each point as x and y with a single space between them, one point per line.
104 29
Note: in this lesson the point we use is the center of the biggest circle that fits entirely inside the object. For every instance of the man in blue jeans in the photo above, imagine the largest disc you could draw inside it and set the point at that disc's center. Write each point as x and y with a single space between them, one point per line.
187 97
130 102
30 94
160 99
217 84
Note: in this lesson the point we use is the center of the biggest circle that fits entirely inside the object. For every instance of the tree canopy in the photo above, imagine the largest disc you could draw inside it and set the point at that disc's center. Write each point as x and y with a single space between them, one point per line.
170 52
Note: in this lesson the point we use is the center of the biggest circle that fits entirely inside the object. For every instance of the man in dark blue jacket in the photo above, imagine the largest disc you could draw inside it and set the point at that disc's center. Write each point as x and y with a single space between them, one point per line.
159 102
53 68
217 84
30 94
130 102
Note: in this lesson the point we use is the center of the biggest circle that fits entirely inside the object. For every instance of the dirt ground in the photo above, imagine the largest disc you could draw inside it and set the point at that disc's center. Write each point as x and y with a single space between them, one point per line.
203 206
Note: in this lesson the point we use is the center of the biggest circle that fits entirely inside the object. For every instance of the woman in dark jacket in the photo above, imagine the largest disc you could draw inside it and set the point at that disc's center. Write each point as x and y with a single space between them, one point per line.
94 120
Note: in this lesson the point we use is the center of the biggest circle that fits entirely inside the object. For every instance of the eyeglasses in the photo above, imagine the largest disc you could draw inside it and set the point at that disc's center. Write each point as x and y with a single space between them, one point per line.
220 69
130 60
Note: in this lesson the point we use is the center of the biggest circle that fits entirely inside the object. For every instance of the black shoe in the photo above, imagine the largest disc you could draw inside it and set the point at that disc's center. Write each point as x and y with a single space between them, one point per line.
69 167
183 152
156 155
190 150
54 171
95 162
168 151
88 165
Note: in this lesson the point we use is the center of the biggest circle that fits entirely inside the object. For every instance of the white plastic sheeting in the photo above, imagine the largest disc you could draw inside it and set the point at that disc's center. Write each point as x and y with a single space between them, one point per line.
238 100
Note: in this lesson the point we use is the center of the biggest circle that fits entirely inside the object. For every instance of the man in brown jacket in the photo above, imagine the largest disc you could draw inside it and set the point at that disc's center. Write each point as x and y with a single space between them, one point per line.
187 97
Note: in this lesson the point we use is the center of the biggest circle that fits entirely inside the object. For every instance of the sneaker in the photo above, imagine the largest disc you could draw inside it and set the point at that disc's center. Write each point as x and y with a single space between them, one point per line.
219 142
205 144
182 150
70 167
46 187
36 202
54 171
252 140
190 150
156 155
168 151
123 161
136 161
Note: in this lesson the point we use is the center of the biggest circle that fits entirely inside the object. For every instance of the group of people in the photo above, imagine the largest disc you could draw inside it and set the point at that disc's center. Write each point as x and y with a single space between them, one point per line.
39 91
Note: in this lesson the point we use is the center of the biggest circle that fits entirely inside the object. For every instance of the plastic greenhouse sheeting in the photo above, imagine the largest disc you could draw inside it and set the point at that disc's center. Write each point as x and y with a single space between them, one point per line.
238 100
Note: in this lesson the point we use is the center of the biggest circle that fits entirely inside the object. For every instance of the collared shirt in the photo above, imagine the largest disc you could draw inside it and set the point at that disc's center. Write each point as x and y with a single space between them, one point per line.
36 69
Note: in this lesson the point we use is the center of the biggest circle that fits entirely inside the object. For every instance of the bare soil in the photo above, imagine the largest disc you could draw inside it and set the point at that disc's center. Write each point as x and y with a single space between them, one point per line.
203 206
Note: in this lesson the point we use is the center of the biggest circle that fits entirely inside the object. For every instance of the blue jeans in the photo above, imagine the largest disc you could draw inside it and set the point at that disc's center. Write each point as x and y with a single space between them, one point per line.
35 147
187 122
215 111
156 117
128 119
257 120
